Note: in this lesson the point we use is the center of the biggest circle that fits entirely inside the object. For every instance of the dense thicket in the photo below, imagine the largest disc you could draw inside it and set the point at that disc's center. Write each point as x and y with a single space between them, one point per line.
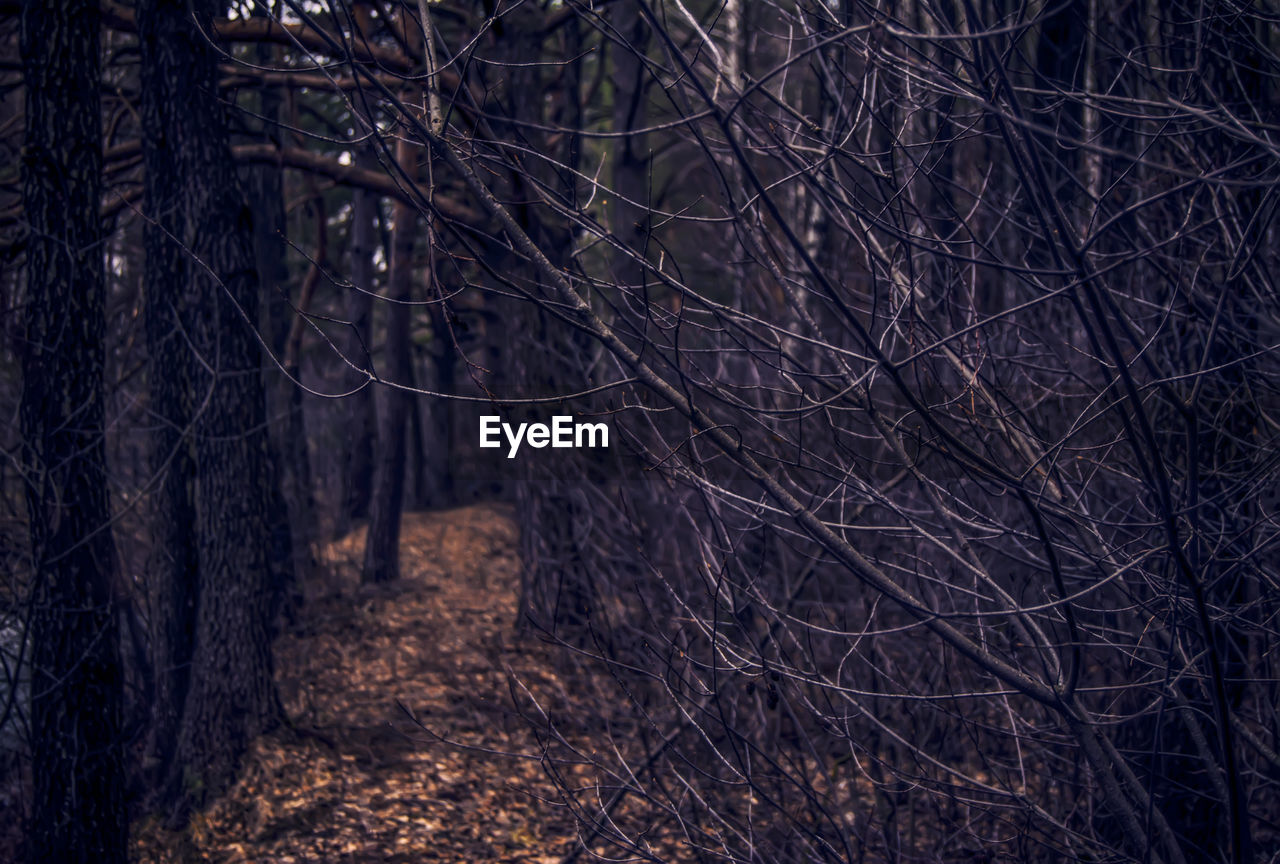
937 344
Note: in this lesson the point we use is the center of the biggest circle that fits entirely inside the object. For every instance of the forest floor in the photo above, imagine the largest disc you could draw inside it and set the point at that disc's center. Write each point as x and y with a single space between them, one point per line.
357 778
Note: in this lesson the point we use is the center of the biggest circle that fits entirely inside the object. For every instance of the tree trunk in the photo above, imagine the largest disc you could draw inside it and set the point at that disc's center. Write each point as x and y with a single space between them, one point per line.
357 339
357 483
555 494
439 451
173 575
295 532
231 697
381 559
429 472
630 154
292 510
77 812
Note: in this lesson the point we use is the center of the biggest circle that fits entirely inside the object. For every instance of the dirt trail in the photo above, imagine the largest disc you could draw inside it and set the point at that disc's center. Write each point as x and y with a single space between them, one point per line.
368 784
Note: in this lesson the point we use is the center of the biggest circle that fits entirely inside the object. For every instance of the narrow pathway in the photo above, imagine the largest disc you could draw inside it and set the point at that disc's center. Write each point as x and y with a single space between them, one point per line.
363 782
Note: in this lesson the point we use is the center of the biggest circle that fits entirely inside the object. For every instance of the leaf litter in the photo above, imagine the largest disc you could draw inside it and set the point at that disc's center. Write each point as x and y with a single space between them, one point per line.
353 777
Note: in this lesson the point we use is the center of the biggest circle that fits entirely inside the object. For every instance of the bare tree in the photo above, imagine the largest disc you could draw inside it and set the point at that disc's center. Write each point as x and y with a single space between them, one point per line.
957 390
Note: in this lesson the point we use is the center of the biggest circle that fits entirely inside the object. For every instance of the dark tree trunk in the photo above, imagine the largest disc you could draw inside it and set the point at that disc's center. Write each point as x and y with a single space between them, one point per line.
547 356
631 154
428 466
77 812
231 696
357 339
439 451
293 525
357 482
292 510
173 578
381 559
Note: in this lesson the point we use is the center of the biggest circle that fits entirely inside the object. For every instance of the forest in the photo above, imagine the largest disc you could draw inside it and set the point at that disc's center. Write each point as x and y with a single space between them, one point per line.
551 431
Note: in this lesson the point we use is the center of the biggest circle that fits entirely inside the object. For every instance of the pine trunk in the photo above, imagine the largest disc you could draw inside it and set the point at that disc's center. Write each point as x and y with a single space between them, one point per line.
173 576
77 812
293 511
357 347
382 560
231 696
631 153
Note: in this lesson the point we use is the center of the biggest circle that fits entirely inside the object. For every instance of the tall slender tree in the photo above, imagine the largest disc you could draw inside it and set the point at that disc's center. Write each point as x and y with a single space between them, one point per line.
381 560
173 578
357 341
77 813
231 695
292 513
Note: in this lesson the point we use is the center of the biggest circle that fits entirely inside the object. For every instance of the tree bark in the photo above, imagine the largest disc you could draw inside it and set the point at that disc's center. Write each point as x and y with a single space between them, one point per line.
231 696
428 467
173 578
547 356
381 559
77 812
292 510
357 347
290 446
630 154
438 453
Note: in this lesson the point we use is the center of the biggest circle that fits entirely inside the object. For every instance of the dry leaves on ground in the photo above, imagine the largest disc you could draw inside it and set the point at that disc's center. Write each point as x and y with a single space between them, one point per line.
356 778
